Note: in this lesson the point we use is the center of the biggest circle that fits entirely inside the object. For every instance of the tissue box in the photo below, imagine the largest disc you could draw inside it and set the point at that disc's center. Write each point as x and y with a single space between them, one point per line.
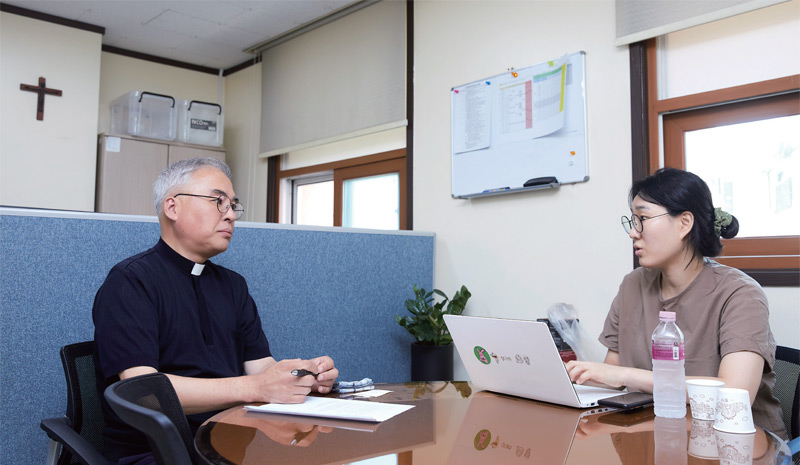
200 123
144 114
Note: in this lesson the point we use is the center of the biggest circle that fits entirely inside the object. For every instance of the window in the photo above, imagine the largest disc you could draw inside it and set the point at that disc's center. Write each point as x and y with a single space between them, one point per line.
744 143
364 192
312 201
368 196
750 168
749 155
371 202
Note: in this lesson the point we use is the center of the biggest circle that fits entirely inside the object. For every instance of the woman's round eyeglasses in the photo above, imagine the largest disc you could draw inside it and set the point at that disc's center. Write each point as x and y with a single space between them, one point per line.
223 203
637 222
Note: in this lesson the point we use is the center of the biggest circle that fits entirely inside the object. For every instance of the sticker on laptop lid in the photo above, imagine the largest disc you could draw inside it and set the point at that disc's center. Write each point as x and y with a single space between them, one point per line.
482 355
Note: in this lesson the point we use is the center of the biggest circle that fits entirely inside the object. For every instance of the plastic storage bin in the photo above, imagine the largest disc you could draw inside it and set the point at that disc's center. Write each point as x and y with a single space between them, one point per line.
200 123
144 114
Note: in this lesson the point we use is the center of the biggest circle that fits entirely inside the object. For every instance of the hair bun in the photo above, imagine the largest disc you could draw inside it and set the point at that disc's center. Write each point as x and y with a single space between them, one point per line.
731 230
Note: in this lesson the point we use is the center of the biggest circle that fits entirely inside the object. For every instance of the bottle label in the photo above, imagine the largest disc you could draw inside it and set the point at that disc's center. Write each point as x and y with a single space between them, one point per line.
672 351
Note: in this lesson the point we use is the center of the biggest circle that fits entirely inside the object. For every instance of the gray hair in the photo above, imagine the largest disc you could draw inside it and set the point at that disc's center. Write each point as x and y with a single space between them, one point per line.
180 174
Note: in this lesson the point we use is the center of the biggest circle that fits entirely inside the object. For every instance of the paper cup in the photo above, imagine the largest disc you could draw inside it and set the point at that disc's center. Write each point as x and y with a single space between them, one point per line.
703 440
703 397
735 448
734 414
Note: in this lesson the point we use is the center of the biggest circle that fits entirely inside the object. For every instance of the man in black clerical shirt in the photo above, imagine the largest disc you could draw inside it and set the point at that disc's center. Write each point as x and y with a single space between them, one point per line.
171 310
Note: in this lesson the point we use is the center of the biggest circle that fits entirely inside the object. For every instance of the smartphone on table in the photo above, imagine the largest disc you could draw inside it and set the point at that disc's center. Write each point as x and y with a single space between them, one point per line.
627 401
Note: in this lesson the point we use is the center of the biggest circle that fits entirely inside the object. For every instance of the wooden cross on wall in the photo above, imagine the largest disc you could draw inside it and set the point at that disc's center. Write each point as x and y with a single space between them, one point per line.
42 90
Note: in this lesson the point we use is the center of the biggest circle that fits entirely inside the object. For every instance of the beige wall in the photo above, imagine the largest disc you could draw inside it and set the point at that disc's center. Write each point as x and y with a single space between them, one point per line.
242 138
521 253
705 51
49 163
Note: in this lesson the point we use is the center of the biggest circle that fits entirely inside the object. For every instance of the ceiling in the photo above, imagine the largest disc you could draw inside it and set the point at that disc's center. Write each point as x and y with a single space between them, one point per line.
210 33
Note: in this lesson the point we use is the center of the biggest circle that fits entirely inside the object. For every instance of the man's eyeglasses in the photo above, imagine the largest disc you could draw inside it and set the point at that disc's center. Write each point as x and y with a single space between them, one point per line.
637 222
223 203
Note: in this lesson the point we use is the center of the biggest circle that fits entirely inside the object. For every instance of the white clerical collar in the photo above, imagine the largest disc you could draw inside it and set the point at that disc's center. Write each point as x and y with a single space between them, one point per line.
197 269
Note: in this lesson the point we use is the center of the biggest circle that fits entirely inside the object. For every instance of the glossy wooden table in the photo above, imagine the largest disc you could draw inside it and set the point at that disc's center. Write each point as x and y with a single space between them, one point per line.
453 424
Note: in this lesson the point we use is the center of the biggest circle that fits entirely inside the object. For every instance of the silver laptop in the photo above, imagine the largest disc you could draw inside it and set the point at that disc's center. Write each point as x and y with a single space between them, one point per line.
518 357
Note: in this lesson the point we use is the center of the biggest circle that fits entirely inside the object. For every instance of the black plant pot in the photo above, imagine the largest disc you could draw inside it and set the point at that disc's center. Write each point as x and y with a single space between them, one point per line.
431 363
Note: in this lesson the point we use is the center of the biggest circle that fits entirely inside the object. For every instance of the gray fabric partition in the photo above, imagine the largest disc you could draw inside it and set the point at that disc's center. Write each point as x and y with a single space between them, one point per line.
319 291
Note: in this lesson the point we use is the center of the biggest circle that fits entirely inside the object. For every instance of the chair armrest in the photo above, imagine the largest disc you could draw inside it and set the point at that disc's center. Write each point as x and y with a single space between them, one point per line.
60 430
794 446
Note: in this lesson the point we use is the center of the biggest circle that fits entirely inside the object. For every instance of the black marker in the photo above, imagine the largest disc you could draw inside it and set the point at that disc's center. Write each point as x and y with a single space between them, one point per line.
303 373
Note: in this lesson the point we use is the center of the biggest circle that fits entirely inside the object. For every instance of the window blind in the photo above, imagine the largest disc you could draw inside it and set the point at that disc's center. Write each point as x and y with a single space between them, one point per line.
639 20
340 80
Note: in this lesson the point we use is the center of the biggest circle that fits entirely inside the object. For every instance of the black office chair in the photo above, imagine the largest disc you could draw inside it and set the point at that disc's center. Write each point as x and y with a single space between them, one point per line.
787 390
77 437
149 403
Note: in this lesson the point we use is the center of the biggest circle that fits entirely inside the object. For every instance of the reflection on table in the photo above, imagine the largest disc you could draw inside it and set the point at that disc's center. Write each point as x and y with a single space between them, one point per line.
452 424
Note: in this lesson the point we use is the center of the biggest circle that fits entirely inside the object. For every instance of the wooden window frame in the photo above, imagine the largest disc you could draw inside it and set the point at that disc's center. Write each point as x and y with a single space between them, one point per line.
393 161
772 261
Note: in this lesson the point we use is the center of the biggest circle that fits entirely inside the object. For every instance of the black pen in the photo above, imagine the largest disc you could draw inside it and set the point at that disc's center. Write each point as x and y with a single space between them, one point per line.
303 373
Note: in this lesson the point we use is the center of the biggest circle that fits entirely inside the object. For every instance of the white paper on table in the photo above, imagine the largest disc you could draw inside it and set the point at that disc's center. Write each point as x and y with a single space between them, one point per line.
371 393
335 408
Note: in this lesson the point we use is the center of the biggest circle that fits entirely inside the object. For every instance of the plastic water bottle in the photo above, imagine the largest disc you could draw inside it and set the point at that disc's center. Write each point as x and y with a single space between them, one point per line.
669 377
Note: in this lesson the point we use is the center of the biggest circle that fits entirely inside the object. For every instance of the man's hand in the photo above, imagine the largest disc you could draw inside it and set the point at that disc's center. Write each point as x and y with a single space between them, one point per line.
327 374
277 383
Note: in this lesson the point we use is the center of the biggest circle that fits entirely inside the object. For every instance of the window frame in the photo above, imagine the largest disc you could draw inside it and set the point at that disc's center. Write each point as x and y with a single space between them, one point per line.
772 261
393 161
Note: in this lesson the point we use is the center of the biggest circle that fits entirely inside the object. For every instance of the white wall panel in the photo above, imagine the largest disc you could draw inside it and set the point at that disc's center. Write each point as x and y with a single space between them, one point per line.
49 163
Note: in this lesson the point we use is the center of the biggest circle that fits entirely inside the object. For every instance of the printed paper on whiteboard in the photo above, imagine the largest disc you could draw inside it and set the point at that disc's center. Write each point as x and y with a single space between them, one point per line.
531 106
472 113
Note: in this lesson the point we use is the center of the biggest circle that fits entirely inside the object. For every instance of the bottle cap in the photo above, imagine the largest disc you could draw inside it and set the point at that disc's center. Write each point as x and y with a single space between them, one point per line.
666 316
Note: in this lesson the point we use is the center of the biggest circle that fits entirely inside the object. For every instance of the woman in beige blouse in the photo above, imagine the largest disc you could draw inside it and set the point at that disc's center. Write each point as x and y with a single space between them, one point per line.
722 312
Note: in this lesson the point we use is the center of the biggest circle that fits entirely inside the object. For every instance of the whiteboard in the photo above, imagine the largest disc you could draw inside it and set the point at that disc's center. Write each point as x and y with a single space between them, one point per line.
525 126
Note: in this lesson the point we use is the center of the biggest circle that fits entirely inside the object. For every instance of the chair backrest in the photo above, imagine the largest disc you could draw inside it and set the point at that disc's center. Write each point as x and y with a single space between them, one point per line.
787 387
83 402
149 403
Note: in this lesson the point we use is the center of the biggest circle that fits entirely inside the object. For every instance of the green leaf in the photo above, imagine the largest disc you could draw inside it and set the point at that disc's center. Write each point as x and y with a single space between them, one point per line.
440 293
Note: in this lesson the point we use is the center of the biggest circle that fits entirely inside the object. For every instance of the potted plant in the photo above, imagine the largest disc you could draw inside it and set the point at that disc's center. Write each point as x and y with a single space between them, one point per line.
432 351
